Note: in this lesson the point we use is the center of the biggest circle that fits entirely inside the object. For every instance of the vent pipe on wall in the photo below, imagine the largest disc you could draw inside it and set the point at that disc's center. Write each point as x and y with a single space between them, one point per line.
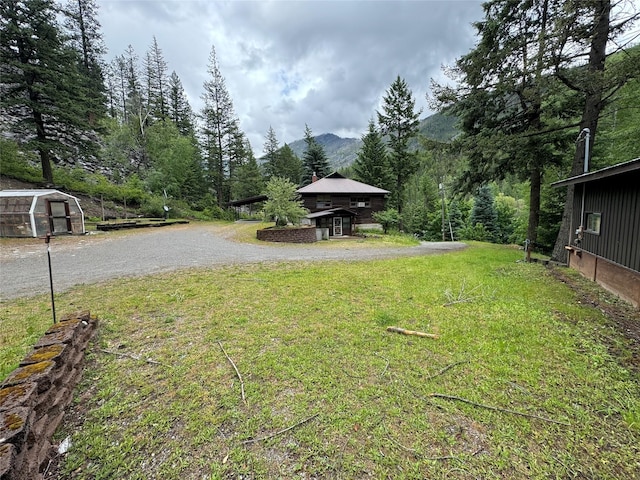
587 135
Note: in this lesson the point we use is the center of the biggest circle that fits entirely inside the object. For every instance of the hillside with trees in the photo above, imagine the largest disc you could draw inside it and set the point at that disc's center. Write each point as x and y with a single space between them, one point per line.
507 126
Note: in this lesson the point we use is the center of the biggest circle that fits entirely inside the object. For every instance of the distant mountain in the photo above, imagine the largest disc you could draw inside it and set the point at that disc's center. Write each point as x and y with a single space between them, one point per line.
441 128
342 152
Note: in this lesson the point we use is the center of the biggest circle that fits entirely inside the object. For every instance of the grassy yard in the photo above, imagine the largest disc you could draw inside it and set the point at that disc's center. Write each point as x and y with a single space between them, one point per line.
519 384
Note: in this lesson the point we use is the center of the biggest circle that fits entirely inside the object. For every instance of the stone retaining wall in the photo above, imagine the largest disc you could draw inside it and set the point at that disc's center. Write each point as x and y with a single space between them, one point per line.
288 235
33 397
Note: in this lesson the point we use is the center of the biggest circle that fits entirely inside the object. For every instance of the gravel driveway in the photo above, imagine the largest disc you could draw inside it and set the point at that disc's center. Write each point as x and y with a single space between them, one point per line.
95 258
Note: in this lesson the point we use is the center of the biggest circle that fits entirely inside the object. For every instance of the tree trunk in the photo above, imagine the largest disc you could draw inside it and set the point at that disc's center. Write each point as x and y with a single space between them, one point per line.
593 91
45 160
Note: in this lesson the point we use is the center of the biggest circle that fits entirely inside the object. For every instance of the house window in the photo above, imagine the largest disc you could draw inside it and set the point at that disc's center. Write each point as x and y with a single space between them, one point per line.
359 202
323 201
593 223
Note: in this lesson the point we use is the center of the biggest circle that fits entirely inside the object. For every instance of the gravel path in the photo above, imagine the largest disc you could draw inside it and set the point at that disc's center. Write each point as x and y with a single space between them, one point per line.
95 258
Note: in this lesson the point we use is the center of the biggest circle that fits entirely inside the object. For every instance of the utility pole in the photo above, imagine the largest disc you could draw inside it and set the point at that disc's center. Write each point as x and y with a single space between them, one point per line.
441 188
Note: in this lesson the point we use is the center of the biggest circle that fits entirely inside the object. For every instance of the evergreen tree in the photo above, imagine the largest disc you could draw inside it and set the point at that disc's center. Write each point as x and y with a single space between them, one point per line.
399 122
218 118
238 150
178 108
271 157
483 212
137 115
506 221
456 221
314 159
156 79
372 164
249 181
507 130
116 81
41 90
290 165
83 30
135 102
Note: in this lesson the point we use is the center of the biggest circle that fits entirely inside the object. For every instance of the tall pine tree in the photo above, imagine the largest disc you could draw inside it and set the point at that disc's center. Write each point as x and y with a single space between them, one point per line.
178 108
218 118
399 122
42 91
155 68
83 30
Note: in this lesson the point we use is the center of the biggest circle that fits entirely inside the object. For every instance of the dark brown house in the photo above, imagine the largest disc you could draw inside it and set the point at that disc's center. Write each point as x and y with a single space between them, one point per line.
605 228
338 203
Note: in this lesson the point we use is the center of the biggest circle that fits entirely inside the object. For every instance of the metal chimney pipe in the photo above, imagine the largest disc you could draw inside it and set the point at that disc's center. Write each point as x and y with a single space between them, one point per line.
587 134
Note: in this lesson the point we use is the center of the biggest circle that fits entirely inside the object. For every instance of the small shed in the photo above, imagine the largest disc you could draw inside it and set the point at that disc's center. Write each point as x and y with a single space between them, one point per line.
605 228
34 213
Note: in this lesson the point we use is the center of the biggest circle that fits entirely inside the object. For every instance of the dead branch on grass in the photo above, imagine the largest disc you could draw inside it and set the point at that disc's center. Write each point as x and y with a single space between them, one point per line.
497 409
129 355
445 369
386 366
279 432
244 399
417 454
411 332
463 296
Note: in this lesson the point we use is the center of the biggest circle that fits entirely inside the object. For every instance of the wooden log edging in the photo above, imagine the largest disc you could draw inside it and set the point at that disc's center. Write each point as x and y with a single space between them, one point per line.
34 396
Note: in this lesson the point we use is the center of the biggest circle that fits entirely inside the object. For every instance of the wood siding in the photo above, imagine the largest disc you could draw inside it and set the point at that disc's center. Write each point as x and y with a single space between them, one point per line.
617 199
364 214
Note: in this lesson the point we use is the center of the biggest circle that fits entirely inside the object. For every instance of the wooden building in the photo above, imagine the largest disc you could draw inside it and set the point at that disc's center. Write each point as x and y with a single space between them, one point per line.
338 203
605 228
34 213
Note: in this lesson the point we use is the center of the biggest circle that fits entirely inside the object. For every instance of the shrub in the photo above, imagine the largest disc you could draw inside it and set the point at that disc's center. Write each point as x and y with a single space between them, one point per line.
283 202
389 219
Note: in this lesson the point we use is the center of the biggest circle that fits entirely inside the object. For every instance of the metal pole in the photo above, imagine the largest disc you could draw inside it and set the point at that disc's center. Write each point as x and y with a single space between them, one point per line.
444 231
53 303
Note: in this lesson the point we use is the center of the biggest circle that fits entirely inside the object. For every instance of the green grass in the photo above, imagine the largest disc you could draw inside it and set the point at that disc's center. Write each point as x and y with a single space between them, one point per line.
310 342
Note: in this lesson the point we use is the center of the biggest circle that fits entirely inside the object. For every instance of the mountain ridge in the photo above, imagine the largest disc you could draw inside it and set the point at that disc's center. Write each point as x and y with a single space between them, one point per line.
342 152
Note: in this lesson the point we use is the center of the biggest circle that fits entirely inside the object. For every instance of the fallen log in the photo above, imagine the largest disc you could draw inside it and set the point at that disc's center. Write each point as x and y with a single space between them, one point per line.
411 332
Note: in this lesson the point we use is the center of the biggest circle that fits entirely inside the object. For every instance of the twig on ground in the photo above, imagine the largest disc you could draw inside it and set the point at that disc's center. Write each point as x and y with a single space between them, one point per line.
497 409
244 399
462 295
411 332
417 454
279 432
448 367
386 366
129 355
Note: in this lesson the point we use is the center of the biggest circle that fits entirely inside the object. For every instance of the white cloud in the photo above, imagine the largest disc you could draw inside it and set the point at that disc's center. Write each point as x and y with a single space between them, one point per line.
290 63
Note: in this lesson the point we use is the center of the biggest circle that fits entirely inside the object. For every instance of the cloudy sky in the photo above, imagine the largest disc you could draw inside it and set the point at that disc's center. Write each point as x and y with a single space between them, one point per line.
290 63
